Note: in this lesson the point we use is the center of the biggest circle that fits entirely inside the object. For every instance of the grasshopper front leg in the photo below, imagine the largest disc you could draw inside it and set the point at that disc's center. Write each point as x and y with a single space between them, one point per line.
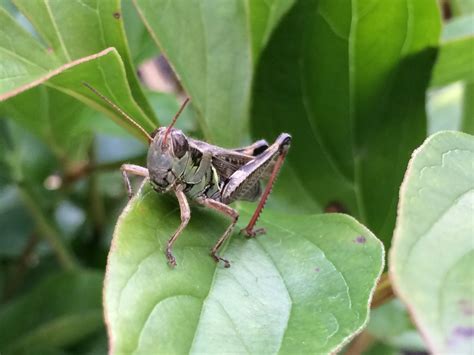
243 181
135 170
185 217
229 211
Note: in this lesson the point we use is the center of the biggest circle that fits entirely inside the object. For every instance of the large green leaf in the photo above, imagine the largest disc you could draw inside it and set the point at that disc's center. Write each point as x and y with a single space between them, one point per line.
106 74
214 54
352 99
70 59
304 287
77 29
432 259
58 312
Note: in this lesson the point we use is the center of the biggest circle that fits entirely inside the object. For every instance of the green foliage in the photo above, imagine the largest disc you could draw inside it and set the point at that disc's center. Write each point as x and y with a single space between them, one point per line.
391 324
215 53
75 54
347 79
61 310
280 288
64 127
331 78
462 6
435 216
457 54
452 107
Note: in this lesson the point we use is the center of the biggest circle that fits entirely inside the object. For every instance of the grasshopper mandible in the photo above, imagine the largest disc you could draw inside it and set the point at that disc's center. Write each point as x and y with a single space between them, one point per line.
211 176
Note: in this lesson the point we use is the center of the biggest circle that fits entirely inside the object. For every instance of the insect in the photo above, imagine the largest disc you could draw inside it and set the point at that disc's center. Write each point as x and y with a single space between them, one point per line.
211 176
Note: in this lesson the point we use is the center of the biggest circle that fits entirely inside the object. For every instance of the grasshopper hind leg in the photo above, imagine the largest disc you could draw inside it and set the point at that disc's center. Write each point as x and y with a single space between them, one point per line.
281 145
243 183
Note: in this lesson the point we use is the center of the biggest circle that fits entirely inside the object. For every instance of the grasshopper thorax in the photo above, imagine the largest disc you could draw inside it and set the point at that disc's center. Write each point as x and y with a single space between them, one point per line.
167 158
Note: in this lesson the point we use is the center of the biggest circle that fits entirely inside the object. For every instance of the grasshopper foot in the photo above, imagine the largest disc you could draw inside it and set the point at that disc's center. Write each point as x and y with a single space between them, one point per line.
170 257
252 233
217 258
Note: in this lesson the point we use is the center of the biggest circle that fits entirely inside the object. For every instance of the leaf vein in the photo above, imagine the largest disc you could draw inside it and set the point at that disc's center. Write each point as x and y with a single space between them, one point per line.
241 338
317 136
56 29
151 312
423 235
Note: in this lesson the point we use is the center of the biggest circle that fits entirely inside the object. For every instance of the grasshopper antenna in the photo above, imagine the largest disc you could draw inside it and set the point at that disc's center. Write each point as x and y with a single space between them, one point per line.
183 105
119 110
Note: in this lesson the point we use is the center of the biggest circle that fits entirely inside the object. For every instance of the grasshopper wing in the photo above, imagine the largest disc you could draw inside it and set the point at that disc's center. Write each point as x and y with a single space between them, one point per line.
225 161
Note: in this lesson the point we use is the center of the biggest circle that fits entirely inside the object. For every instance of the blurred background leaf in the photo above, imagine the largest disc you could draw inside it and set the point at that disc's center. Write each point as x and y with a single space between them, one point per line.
462 6
214 54
451 107
353 101
431 262
391 325
455 61
62 310
141 44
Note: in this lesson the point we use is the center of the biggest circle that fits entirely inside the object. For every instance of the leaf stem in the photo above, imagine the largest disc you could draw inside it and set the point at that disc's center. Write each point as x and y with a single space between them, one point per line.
360 344
384 292
96 202
47 230
80 171
20 268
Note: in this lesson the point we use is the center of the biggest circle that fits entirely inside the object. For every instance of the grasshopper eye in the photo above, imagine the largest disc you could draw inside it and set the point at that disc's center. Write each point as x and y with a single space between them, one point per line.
180 145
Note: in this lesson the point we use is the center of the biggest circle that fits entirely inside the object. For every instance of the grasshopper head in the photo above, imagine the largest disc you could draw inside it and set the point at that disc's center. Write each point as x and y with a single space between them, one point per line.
167 158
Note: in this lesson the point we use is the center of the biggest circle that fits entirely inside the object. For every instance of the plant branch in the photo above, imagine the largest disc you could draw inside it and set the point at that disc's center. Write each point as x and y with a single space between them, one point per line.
47 230
20 268
383 292
80 171
96 203
360 344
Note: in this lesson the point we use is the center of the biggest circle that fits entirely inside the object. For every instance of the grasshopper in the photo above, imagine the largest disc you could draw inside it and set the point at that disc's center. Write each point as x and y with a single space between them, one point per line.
211 176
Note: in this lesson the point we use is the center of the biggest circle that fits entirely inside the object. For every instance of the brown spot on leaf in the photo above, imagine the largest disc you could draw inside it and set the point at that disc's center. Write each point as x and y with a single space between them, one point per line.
459 335
360 239
464 332
117 15
317 269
